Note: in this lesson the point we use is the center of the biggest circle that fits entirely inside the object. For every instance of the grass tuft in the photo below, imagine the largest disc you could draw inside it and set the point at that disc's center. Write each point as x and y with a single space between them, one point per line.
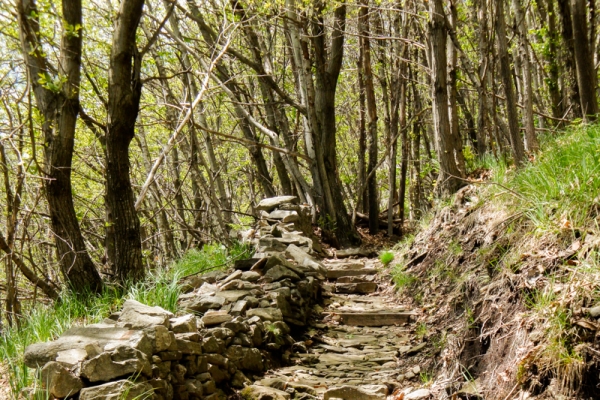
386 257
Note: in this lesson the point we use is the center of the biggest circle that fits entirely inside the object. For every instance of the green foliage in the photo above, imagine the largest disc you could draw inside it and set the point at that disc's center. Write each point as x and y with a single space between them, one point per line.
561 188
421 330
210 257
386 257
402 279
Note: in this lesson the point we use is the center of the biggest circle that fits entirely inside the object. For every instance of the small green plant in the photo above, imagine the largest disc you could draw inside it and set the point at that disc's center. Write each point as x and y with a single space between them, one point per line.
421 330
455 247
402 279
386 257
426 378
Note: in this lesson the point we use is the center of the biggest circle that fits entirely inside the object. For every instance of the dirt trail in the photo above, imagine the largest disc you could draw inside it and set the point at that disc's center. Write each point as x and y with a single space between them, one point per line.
361 346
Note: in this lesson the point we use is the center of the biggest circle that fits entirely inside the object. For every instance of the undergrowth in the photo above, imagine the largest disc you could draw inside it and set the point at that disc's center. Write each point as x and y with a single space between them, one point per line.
47 322
538 212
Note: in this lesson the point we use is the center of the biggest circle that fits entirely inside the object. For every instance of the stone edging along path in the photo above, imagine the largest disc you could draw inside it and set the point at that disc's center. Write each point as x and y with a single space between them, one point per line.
242 333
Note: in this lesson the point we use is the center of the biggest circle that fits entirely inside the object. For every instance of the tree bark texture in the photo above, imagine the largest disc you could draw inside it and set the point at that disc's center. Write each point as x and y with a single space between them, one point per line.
584 60
506 74
123 239
367 74
58 101
449 176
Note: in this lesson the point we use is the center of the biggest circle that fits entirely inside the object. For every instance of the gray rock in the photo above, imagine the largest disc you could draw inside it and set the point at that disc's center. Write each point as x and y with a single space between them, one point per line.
249 359
279 272
136 315
239 307
266 314
59 381
98 335
235 275
184 324
216 317
119 390
231 296
284 216
160 336
121 362
240 380
212 345
356 252
255 392
71 358
418 395
206 303
207 288
354 393
273 202
250 276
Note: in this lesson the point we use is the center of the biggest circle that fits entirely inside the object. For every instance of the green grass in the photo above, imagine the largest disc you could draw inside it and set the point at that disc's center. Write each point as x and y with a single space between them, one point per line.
47 322
559 189
386 257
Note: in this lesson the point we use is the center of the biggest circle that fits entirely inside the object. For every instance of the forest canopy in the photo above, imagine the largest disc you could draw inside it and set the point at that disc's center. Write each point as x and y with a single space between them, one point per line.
133 131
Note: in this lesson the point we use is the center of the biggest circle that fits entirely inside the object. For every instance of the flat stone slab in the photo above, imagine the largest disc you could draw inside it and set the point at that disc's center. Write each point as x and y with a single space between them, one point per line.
357 252
274 202
216 317
356 279
375 318
360 288
284 216
338 273
371 392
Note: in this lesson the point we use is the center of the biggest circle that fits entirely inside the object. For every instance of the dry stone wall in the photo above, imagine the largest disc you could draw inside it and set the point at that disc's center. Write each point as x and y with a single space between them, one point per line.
235 325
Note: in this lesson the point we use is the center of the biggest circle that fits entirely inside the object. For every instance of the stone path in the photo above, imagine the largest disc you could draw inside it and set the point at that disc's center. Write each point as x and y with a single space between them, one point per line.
357 349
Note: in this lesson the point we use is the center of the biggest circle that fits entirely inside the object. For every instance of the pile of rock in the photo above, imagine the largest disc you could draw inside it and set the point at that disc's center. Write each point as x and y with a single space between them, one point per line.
238 325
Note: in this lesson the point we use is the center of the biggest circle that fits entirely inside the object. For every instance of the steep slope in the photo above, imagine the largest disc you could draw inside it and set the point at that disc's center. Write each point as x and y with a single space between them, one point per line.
507 279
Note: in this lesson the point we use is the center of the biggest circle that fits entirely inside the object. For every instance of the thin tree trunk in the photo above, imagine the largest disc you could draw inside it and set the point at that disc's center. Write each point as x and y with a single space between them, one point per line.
569 58
449 180
452 94
59 109
511 102
551 56
531 142
364 32
586 72
362 137
123 237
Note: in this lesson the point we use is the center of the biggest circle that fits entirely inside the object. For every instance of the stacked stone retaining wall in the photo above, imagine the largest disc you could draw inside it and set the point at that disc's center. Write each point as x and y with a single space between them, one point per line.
233 327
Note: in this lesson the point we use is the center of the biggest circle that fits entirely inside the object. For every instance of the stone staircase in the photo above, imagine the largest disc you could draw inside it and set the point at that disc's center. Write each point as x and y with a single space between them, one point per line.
353 348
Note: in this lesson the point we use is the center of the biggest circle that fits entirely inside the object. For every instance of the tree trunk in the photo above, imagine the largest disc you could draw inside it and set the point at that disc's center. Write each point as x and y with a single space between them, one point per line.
483 118
367 74
449 180
586 71
511 102
453 93
123 239
569 58
548 15
318 83
362 138
531 142
59 105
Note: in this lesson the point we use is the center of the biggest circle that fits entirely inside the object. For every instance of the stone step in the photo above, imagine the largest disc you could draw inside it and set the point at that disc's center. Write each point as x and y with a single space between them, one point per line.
356 288
375 318
340 272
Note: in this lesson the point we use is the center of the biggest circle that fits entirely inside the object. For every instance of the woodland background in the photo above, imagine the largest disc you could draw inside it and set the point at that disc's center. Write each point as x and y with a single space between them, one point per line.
134 131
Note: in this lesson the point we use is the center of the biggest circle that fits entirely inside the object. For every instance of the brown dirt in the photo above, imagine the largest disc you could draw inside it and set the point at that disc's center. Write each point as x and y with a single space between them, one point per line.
476 265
